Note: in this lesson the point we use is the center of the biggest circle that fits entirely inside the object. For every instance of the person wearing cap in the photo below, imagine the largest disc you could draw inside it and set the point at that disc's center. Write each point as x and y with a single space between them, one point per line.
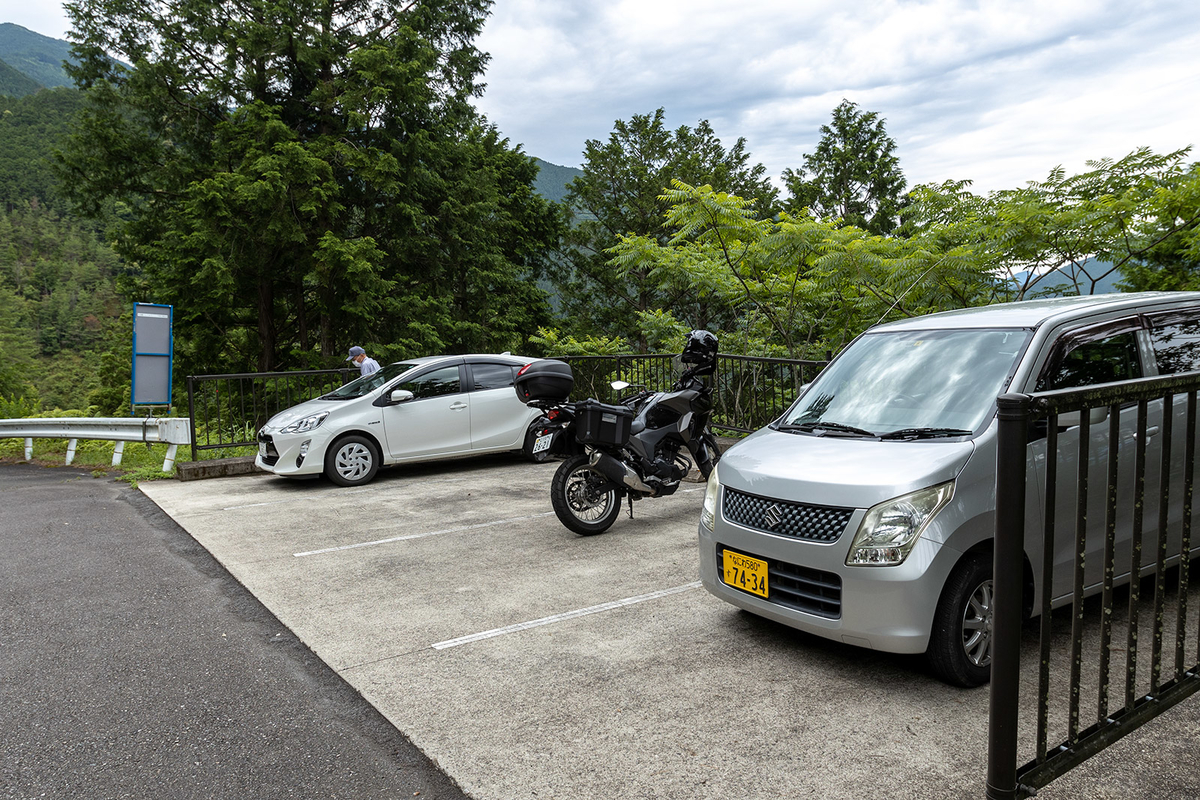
366 364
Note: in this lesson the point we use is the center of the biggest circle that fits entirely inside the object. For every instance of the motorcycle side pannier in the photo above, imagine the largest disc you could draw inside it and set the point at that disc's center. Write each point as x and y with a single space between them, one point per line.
600 423
547 381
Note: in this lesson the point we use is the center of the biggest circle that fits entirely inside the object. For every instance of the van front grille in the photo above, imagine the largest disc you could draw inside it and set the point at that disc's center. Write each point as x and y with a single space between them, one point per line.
797 520
812 591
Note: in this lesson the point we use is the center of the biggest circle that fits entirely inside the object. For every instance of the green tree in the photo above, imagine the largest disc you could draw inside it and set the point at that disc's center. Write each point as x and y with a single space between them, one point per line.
799 286
1137 216
619 194
854 175
297 177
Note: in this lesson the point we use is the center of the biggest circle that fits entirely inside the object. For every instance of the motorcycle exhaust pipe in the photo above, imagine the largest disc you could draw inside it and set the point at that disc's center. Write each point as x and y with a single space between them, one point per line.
617 472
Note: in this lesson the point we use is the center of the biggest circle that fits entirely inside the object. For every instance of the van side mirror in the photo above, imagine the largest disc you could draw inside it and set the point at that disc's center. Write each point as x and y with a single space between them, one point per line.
1073 419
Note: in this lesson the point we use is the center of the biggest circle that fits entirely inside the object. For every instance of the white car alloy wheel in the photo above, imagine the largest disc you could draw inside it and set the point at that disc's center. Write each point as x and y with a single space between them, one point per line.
352 461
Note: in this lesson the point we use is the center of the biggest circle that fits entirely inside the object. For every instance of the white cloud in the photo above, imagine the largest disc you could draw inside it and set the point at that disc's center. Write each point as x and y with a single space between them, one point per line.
992 90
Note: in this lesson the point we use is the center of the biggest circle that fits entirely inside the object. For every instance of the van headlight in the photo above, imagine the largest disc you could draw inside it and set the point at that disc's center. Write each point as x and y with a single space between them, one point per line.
889 530
708 513
306 424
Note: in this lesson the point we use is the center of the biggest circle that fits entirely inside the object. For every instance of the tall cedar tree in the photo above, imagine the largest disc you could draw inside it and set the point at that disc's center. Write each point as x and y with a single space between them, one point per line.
621 194
297 177
854 175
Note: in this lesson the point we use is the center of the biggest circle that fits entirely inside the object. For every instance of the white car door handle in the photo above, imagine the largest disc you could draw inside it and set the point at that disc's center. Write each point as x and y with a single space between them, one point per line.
457 406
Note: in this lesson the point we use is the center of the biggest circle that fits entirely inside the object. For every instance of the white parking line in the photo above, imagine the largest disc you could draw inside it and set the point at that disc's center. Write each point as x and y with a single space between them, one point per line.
580 612
421 535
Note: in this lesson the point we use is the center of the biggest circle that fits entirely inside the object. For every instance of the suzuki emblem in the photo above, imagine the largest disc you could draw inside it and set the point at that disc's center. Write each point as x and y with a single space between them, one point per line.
773 515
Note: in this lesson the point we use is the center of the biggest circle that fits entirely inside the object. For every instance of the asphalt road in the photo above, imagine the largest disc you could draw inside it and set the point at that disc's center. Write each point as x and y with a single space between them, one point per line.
133 665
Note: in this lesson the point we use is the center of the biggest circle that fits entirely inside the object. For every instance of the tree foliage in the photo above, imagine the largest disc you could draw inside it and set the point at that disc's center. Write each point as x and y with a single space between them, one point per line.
1137 216
854 175
620 194
799 286
297 177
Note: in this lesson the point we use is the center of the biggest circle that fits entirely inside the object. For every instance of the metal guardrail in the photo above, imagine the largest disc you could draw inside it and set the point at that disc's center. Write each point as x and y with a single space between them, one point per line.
170 431
1113 632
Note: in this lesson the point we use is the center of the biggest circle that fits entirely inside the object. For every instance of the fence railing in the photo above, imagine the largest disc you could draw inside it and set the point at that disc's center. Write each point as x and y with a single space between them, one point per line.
227 410
1116 477
170 431
749 391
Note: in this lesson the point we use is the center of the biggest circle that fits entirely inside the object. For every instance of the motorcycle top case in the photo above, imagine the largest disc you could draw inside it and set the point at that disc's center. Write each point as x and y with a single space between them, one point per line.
600 423
547 381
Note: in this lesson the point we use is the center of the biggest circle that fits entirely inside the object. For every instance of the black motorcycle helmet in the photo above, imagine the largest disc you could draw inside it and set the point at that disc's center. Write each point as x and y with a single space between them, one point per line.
700 349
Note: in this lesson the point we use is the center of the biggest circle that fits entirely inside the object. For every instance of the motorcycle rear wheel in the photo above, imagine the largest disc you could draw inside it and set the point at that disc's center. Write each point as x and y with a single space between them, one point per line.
583 499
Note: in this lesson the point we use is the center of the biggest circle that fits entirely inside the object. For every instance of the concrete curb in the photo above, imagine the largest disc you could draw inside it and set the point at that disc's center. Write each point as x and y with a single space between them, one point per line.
216 468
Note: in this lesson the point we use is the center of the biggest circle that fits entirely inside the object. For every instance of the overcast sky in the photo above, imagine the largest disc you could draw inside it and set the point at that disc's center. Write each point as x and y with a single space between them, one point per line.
995 91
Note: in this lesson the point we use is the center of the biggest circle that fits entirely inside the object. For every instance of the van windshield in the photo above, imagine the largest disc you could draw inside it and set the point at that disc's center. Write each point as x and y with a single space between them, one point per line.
910 384
368 383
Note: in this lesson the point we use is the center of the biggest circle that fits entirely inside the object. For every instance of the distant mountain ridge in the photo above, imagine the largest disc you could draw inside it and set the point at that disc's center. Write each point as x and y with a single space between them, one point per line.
38 57
551 182
15 83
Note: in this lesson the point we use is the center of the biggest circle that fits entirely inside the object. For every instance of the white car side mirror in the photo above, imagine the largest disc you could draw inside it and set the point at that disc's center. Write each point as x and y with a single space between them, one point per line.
401 396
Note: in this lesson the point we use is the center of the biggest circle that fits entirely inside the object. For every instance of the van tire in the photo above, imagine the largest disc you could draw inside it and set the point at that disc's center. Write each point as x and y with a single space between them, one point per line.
960 642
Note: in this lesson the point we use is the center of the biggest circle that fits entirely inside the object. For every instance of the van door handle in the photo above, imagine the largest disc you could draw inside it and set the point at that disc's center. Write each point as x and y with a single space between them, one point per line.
1151 431
457 406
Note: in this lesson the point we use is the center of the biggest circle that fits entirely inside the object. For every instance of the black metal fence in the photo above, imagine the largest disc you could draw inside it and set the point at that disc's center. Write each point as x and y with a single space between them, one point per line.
226 411
1111 496
749 391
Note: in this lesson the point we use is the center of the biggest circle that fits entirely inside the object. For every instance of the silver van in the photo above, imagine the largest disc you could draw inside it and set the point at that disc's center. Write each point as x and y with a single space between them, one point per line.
865 513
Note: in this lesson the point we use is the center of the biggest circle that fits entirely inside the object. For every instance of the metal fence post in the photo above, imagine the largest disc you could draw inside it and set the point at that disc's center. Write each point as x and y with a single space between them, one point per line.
1008 566
192 414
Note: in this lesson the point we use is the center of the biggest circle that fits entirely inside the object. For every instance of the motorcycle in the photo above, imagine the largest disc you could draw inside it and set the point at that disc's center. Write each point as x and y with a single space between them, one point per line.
641 447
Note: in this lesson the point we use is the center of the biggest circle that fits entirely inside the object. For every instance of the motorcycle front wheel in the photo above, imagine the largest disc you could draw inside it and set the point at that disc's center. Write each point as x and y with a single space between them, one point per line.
711 454
583 499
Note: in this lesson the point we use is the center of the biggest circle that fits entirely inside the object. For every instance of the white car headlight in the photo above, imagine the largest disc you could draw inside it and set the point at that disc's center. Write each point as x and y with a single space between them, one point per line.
889 530
708 514
306 424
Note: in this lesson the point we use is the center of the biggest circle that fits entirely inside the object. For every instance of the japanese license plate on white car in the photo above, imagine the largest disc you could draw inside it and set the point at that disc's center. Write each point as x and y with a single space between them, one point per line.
262 449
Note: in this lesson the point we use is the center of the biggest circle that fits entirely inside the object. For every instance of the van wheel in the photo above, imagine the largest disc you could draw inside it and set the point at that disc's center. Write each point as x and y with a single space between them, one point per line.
960 643
352 461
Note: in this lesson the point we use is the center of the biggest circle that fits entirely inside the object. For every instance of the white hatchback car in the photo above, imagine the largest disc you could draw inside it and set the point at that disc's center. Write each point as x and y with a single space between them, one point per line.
423 409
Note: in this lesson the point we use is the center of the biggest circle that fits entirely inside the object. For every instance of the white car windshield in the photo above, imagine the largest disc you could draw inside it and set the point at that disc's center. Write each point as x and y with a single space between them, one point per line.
368 383
910 384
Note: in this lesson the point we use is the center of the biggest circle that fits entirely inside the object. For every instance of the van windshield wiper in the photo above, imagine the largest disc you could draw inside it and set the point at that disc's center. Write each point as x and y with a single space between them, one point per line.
837 427
924 433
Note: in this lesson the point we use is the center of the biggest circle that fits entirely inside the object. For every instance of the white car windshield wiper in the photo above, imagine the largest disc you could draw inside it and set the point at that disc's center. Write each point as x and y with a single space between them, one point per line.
924 433
836 427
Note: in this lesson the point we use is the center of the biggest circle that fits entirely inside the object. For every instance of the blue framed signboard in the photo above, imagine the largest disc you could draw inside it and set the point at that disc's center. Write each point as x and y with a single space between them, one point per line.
153 354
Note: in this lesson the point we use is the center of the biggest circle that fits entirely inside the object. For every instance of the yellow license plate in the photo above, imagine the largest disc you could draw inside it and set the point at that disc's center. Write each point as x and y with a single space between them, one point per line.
746 573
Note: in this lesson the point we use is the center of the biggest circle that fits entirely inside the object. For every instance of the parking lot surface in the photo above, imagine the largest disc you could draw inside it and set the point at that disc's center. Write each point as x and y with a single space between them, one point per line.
528 662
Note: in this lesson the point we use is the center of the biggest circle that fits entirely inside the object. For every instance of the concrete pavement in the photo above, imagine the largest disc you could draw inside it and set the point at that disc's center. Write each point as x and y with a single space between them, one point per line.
528 662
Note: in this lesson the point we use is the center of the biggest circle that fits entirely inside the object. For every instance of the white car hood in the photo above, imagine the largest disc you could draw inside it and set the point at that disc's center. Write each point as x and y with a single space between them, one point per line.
838 471
307 408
